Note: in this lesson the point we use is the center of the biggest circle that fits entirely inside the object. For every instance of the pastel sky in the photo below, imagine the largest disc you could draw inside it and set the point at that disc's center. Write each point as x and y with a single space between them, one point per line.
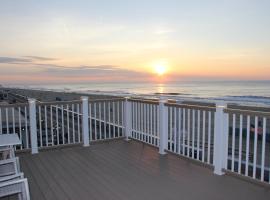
124 40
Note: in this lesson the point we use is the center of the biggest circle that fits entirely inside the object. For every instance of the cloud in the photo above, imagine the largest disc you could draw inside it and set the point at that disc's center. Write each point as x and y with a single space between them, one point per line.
10 60
38 72
89 71
30 64
25 59
75 68
39 58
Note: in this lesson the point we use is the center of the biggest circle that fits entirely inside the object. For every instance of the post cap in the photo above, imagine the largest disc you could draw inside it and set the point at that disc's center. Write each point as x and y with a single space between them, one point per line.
163 99
221 104
84 98
31 100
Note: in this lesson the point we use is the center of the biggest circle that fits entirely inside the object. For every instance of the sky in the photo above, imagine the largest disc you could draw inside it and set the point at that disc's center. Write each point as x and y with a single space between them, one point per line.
125 40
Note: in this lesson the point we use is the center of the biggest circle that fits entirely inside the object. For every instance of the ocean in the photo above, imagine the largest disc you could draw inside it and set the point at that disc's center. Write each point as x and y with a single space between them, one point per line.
241 92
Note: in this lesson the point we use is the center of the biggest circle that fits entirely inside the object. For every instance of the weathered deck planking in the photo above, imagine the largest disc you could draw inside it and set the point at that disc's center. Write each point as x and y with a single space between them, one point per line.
121 170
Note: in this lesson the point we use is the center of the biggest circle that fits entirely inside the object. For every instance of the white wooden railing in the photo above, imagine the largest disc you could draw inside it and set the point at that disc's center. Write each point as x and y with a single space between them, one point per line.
191 131
145 121
229 140
248 151
106 118
15 119
58 123
48 124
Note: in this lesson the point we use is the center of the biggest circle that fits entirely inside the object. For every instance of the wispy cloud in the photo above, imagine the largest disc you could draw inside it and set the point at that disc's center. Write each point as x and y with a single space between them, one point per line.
24 59
38 71
39 58
10 60
90 71
55 67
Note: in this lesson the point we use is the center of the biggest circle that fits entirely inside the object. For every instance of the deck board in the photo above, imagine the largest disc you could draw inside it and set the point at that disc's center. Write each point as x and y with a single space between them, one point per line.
127 170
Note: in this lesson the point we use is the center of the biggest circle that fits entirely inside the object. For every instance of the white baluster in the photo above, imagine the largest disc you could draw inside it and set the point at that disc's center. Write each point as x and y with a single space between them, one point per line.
127 119
33 125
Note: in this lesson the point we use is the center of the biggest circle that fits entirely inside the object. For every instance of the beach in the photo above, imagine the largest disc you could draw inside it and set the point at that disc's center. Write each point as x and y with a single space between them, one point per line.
50 96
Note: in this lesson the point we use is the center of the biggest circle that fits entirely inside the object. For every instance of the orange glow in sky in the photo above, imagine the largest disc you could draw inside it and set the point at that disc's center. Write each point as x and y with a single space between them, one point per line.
82 41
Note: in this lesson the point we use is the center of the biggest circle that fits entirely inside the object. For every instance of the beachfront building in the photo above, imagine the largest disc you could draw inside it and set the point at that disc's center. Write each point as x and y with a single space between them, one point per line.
3 94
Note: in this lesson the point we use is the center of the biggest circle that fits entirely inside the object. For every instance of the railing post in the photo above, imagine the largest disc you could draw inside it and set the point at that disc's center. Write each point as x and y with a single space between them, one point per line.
220 138
85 119
163 126
33 125
127 118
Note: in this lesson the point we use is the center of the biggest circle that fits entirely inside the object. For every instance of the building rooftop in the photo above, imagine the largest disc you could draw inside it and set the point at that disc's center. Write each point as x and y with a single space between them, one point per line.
127 170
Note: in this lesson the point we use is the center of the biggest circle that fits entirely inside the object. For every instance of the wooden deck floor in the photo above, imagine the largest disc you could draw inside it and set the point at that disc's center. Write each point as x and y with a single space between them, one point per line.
127 170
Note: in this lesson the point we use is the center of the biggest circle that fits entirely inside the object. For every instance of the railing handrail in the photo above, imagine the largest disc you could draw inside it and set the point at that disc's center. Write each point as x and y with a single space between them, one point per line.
58 102
141 100
107 100
13 105
247 112
191 106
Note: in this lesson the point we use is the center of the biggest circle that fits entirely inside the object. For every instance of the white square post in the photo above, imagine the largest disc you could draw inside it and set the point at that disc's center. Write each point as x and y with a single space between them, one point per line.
127 118
85 120
220 138
163 126
33 125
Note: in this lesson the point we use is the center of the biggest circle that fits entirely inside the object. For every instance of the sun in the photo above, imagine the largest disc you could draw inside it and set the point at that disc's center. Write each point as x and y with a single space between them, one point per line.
160 69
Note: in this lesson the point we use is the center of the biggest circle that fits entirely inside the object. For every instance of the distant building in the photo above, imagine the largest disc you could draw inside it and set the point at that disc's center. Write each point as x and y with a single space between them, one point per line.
3 94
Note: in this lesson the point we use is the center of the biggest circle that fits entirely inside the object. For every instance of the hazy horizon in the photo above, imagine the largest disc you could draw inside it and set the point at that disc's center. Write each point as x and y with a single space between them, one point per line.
57 42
